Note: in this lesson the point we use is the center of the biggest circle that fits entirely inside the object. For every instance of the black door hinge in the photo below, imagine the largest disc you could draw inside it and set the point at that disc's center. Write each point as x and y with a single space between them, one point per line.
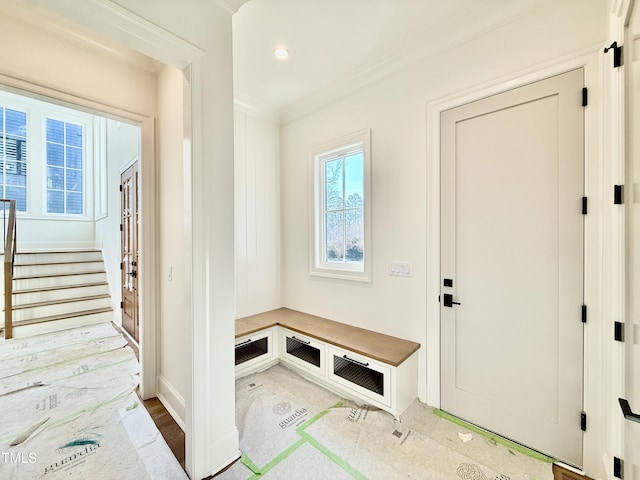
120 227
121 304
617 54
584 314
618 467
618 194
585 96
584 205
618 331
583 421
120 187
121 266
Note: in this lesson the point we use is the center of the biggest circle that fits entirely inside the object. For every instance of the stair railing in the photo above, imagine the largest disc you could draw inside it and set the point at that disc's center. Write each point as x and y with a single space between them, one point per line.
10 243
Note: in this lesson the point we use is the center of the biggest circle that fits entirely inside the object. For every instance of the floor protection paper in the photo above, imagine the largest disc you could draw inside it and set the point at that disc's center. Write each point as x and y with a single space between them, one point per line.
70 410
292 428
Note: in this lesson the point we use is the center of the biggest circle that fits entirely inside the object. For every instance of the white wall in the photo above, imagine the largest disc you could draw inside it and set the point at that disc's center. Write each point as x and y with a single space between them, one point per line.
173 384
197 38
257 212
200 43
68 68
122 148
48 65
45 234
395 110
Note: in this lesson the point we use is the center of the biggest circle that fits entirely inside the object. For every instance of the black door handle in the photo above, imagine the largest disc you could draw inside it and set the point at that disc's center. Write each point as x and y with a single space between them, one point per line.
447 300
134 274
626 410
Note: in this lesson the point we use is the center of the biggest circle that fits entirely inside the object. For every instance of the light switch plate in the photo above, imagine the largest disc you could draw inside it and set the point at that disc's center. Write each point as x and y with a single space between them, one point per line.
400 269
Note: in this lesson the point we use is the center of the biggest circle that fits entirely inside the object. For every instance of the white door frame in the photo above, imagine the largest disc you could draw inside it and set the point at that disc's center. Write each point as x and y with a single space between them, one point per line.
146 294
619 84
211 435
593 370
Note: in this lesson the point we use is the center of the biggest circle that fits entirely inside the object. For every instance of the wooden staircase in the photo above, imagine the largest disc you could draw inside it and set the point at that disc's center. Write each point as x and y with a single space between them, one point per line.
59 290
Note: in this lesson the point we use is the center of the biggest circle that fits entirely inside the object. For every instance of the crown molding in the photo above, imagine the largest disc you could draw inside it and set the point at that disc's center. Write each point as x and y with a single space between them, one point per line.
446 36
256 108
125 27
231 6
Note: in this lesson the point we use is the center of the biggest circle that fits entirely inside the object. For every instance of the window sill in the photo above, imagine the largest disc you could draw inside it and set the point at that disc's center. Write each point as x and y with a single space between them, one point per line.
341 274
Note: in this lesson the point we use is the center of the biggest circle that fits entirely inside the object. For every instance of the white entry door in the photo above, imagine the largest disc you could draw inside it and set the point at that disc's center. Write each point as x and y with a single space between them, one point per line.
512 264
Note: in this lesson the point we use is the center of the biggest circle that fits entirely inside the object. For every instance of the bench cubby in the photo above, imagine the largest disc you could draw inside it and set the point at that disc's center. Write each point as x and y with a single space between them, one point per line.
369 379
255 351
302 351
356 363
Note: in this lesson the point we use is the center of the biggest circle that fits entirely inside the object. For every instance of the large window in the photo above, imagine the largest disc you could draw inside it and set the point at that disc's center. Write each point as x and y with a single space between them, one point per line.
341 243
13 156
46 157
65 164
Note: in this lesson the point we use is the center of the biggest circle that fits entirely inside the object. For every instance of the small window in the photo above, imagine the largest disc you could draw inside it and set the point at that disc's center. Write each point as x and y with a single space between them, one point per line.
13 156
341 226
65 166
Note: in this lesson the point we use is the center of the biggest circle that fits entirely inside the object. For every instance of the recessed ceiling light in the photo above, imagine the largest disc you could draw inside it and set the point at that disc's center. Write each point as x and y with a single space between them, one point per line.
281 53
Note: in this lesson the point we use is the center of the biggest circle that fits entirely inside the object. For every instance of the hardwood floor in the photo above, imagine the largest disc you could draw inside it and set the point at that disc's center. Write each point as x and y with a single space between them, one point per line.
560 473
170 430
172 433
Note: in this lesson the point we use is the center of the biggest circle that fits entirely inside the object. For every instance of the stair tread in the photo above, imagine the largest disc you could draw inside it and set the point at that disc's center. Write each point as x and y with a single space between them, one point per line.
62 316
49 275
59 287
88 261
58 302
41 252
73 262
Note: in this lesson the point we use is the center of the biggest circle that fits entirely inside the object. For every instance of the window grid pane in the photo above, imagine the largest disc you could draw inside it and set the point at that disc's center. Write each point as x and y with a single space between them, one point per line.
334 194
344 209
65 164
13 156
334 239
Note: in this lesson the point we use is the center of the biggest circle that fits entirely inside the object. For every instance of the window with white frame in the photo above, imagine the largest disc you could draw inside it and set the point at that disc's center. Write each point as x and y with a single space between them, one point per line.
65 166
56 144
341 221
13 156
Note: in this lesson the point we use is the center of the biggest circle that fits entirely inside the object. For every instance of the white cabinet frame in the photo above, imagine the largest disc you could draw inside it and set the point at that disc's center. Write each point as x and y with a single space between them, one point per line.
287 337
364 365
260 362
399 384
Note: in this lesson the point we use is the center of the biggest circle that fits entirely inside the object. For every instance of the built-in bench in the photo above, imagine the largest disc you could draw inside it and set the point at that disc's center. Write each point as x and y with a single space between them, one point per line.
379 369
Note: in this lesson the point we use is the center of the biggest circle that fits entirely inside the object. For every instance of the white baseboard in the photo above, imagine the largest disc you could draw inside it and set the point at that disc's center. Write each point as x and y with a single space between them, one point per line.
422 392
222 444
172 401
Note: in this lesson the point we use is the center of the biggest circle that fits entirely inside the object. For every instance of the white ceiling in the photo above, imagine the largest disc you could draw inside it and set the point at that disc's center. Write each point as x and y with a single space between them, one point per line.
335 46
333 40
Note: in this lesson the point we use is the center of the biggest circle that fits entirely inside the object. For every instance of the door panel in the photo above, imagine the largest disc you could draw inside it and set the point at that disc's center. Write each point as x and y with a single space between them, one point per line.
129 254
512 230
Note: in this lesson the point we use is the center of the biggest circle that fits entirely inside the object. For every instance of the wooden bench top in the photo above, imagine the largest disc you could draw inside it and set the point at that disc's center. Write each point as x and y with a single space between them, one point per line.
377 346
